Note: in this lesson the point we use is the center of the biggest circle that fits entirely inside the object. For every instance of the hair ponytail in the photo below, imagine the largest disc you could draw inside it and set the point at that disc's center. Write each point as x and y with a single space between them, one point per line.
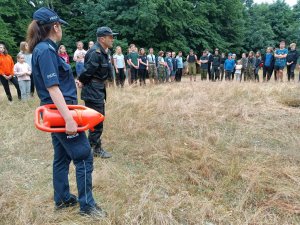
36 33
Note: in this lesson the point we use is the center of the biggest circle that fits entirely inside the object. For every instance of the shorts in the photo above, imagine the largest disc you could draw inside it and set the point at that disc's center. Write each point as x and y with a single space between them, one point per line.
278 67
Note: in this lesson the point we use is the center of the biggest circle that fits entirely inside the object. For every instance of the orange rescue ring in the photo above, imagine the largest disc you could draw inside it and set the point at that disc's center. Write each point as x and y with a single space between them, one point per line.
49 119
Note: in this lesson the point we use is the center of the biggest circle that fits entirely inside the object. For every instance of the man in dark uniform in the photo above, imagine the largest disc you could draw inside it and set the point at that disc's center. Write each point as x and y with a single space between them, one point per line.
97 69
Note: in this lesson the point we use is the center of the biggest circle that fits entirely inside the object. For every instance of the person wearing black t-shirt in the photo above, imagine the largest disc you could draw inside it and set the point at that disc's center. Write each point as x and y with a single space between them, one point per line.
143 66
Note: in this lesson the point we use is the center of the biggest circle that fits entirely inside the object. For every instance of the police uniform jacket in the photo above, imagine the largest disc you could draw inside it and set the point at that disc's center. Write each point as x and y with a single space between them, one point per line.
97 69
49 69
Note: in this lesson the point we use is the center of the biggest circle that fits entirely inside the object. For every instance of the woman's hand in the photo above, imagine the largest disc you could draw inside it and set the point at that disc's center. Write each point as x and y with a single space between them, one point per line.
8 77
71 126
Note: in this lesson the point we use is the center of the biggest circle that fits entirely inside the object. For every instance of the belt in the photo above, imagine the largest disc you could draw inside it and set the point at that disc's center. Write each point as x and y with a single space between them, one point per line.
152 63
71 102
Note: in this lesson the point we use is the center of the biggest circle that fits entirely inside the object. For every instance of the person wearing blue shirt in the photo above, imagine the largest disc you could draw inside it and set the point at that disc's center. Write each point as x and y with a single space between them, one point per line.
268 64
55 85
257 66
179 62
169 67
222 62
280 59
229 66
174 68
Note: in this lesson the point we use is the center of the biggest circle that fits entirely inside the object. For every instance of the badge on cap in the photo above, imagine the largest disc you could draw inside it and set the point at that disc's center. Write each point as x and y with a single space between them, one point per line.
45 16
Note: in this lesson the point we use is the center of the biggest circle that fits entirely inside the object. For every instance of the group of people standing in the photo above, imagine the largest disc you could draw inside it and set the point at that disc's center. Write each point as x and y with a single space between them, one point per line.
18 74
136 65
218 66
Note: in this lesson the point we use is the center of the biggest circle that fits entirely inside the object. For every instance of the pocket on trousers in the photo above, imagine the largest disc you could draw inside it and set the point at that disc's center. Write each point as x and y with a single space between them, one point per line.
79 146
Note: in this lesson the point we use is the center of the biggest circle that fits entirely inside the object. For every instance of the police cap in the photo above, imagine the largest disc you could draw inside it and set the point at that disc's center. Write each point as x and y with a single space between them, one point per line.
104 31
45 16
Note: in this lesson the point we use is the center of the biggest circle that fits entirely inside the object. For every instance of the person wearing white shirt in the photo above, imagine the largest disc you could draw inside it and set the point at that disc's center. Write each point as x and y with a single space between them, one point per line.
79 55
120 67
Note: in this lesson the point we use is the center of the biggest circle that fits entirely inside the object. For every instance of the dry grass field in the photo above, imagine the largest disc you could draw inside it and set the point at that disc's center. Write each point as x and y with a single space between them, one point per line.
183 153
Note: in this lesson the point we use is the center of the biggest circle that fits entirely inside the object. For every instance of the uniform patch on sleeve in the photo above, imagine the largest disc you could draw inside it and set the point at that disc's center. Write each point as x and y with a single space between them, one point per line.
51 75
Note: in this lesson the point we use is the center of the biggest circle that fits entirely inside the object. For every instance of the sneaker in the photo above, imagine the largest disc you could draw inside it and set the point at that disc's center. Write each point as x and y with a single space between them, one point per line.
95 211
71 202
102 153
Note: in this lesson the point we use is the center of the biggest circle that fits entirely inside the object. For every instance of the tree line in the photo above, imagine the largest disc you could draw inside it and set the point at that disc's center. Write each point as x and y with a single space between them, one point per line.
230 25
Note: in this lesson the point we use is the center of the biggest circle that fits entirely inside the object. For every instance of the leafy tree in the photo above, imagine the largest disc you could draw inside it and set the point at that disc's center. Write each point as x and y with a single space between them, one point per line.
230 25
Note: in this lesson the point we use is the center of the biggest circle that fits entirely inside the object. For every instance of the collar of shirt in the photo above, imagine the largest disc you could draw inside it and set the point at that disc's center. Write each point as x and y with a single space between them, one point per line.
100 48
151 58
52 44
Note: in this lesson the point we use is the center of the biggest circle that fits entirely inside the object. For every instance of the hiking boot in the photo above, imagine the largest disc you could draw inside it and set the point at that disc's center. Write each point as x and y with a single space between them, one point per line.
71 202
100 152
95 211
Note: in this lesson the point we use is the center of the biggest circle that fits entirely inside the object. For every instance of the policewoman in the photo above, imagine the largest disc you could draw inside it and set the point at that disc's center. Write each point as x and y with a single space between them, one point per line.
55 85
97 70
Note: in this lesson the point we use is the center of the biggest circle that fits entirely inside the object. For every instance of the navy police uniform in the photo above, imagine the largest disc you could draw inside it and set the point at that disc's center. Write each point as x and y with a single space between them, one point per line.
48 69
97 69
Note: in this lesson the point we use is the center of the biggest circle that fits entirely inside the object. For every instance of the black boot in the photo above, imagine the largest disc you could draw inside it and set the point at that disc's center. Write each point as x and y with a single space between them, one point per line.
100 152
71 202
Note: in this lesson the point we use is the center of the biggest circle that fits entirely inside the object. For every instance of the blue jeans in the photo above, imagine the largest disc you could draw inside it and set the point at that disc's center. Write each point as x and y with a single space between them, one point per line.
79 68
76 148
24 86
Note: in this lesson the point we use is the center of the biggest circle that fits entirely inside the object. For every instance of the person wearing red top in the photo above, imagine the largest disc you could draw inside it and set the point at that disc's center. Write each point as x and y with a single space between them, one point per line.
7 72
62 52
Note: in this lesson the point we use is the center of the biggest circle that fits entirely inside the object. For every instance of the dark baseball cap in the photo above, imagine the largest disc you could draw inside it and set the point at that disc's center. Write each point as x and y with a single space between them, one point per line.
45 16
105 31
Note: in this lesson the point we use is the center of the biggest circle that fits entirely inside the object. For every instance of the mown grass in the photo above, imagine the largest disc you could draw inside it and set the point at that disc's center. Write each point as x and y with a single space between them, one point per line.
183 153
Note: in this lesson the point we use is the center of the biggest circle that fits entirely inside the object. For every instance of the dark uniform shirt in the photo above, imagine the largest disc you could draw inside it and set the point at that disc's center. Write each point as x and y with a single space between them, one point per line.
144 60
174 62
97 69
192 59
204 65
292 56
223 59
49 69
216 60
